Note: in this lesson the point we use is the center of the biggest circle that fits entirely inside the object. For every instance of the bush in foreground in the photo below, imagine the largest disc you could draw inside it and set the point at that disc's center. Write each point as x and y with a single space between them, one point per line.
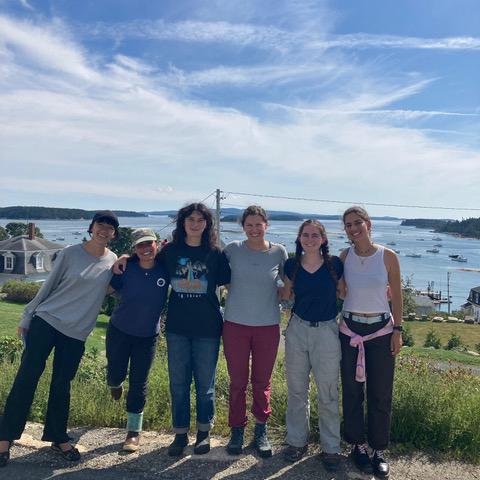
20 292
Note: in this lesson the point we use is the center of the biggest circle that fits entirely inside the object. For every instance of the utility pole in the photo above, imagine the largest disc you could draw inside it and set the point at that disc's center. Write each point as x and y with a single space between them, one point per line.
448 292
217 217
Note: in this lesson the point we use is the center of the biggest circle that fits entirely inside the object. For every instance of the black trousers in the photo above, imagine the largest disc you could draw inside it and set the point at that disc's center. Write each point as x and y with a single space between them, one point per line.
380 365
42 338
123 348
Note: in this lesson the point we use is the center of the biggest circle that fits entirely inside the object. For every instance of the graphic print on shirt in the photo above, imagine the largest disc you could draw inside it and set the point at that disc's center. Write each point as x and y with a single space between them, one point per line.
190 278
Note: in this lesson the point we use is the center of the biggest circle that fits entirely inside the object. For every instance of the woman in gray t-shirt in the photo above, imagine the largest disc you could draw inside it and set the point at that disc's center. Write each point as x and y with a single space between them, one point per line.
59 318
251 327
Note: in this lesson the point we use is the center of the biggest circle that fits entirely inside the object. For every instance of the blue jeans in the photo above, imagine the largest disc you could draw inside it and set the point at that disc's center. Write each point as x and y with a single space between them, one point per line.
192 358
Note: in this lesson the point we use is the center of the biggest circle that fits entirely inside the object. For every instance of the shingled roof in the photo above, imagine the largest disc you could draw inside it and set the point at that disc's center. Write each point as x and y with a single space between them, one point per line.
23 243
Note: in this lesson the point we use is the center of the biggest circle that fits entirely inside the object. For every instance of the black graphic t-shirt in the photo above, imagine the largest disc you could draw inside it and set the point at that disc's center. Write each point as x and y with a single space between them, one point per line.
195 273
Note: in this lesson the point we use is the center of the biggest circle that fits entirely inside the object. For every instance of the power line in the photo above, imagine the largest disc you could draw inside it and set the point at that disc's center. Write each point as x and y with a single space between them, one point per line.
349 202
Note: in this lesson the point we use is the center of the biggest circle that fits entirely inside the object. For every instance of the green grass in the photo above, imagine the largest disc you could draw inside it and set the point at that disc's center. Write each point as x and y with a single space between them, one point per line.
11 313
470 334
432 409
441 355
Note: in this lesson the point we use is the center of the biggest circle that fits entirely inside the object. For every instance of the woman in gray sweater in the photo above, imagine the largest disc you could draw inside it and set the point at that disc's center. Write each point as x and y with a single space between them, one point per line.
59 318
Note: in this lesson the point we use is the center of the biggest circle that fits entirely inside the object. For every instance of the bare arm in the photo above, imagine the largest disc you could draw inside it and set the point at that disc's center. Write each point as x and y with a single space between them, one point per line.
286 292
394 281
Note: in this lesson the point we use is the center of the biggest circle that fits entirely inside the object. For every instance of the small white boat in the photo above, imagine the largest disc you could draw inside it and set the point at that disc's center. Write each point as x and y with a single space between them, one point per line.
413 255
391 243
438 245
459 258
437 239
420 239
433 250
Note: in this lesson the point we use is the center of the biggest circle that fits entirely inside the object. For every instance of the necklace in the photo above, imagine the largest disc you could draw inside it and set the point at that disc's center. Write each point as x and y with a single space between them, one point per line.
363 255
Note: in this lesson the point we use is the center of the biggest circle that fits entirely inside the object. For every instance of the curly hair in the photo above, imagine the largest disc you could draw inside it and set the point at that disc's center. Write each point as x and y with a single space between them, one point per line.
209 237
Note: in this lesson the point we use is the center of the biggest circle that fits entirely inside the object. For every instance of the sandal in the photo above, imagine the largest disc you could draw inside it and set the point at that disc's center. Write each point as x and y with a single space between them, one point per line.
5 456
72 454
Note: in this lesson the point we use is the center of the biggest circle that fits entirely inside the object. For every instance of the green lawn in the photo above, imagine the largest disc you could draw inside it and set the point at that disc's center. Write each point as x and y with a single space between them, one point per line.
470 334
11 313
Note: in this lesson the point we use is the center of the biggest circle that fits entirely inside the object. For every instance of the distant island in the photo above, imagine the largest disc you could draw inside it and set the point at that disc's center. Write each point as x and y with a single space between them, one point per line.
52 213
469 227
227 214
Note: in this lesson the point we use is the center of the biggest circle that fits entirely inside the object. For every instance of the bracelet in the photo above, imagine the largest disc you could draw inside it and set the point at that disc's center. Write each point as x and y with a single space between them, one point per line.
398 328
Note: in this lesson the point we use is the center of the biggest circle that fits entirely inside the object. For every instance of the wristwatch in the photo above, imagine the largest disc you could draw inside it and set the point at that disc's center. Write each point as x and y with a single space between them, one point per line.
399 328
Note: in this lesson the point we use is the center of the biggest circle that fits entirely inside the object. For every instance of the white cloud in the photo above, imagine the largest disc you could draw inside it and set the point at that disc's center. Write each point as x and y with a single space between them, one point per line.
310 34
363 40
114 129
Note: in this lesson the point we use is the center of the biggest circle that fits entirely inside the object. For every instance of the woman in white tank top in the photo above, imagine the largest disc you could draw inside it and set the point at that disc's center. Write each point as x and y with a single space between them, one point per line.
370 338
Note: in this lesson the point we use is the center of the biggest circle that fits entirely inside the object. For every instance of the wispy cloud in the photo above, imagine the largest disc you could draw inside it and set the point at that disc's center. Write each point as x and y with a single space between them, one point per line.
267 36
102 121
26 5
362 40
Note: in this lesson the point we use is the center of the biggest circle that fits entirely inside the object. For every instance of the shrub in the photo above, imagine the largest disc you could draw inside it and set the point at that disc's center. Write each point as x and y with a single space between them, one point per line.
20 292
477 347
454 342
407 336
432 340
10 349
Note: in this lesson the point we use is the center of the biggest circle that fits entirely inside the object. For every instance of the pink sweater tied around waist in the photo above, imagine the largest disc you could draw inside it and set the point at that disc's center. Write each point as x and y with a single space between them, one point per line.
358 341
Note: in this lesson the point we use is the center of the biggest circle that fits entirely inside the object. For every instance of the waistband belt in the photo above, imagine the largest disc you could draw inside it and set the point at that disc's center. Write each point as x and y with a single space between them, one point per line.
309 323
366 320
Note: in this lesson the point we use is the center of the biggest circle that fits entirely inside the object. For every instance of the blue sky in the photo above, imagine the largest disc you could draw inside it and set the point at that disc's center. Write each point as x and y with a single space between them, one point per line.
146 105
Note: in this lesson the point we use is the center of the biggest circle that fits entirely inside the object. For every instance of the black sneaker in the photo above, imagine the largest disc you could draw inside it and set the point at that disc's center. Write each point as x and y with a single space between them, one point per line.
330 461
380 465
202 443
179 443
361 459
294 454
235 444
260 439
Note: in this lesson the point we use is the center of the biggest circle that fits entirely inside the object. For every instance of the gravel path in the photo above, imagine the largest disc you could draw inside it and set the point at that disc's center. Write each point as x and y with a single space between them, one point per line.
101 459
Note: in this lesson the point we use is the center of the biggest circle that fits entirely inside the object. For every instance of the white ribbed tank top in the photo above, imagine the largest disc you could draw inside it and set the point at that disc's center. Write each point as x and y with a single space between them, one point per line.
367 280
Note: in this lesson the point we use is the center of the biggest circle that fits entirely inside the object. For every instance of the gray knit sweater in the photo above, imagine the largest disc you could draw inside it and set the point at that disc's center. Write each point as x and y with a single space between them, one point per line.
73 292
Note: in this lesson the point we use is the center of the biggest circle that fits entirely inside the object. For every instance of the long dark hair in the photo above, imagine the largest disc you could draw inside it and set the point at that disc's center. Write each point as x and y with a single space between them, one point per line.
324 250
209 237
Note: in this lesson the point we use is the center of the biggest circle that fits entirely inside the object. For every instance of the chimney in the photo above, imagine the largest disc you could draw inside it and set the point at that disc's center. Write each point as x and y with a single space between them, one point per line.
31 231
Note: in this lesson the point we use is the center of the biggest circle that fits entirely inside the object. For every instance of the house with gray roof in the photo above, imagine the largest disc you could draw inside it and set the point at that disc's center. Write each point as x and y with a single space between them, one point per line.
27 255
474 300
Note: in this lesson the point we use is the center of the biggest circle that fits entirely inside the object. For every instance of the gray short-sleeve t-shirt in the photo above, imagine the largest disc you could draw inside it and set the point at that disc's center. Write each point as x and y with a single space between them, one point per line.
252 296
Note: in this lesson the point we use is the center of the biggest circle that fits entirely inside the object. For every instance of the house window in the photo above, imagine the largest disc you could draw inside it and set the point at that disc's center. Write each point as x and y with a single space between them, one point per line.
9 263
38 258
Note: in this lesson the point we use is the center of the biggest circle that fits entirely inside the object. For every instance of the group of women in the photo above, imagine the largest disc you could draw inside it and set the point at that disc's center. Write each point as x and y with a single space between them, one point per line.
258 274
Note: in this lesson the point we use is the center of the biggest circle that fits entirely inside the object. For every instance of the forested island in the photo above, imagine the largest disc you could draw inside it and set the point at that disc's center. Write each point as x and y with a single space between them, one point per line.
53 213
469 227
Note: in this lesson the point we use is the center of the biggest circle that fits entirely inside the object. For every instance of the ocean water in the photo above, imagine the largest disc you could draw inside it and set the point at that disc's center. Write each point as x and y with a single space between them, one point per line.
429 268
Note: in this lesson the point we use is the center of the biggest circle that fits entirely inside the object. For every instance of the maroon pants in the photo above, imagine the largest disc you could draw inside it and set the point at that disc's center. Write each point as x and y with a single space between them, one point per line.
239 341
